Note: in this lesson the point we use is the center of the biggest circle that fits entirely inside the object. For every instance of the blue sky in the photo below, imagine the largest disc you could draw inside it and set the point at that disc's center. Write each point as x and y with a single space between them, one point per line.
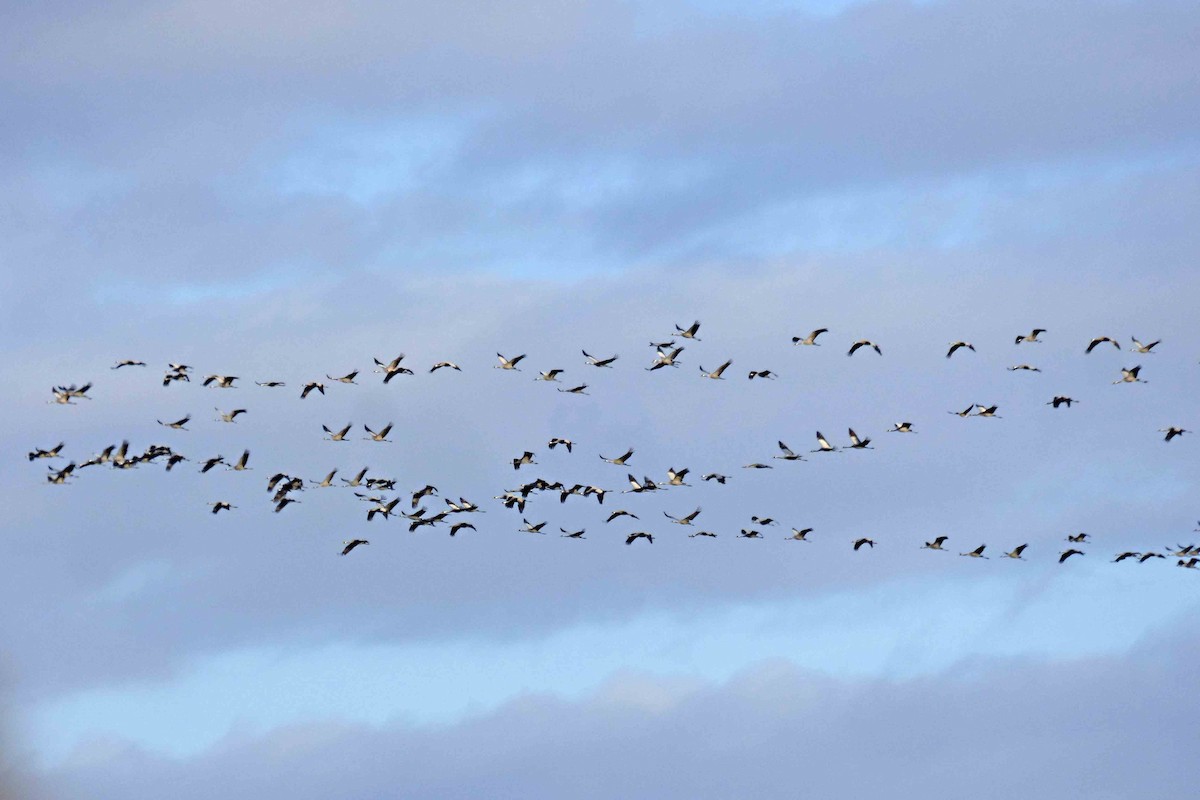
289 190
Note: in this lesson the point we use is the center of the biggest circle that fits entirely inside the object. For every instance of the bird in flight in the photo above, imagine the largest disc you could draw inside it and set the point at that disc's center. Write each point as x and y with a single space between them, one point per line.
811 339
351 544
1031 337
599 362
954 347
1099 340
864 343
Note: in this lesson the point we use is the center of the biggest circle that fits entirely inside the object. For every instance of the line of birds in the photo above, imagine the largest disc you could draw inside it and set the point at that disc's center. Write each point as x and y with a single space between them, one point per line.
667 353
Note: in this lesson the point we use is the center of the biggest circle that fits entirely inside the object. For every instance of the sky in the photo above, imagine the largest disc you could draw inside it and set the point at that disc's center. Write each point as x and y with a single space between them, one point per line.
288 190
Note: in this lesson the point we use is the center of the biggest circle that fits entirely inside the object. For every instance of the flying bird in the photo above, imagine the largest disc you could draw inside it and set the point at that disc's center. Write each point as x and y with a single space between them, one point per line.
599 362
222 381
621 460
976 553
1130 376
508 363
811 339
1062 400
1016 552
633 537
231 416
1068 553
954 346
347 378
690 333
177 424
129 362
445 365
762 373
716 373
685 520
1138 347
799 535
1172 432
936 544
221 505
864 343
308 387
1100 340
858 543
338 436
380 436
351 544
902 427
567 443
1032 337
823 445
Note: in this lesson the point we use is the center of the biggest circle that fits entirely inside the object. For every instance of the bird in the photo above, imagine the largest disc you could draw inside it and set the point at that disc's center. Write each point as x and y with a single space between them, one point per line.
424 491
338 436
1147 556
690 333
636 486
620 513
270 384
1068 553
936 544
956 345
864 343
283 503
177 424
351 544
1016 552
1025 367
53 452
221 505
445 365
633 537
1130 376
665 359
762 373
787 453
799 535
59 477
823 445
380 436
716 373
1138 347
1077 537
325 482
811 339
557 440
525 458
858 543
240 465
1100 340
764 520
715 476
383 509
708 534
222 381
902 427
1172 432
550 375
347 378
508 363
212 462
1125 555
231 416
357 480
390 366
566 534
976 553
675 476
621 460
599 362
458 526
129 362
580 389
1191 563
988 411
684 520
308 387
859 444
757 465
1061 400
750 534
1032 337
966 412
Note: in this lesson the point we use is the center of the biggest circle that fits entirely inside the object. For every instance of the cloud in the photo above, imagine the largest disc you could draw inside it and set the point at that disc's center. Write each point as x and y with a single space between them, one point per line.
989 728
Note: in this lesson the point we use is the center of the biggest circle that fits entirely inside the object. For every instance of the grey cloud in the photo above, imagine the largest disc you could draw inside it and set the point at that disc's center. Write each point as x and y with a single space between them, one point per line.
1106 728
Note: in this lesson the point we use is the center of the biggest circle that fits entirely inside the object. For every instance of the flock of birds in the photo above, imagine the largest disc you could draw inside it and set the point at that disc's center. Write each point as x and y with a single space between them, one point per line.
382 501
